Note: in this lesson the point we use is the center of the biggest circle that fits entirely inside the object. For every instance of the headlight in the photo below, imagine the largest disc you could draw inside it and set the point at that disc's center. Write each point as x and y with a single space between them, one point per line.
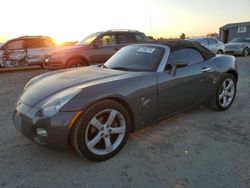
52 105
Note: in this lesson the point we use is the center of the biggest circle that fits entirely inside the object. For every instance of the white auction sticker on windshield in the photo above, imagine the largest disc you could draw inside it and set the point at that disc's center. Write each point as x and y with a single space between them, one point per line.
146 50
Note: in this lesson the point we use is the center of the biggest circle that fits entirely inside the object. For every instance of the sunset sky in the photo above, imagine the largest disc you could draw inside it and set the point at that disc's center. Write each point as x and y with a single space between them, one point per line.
66 20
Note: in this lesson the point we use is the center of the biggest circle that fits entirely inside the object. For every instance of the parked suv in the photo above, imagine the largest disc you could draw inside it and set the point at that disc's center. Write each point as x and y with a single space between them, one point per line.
210 43
95 48
25 50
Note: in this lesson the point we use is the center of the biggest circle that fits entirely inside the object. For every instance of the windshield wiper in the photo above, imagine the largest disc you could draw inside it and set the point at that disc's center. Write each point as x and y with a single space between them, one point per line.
121 68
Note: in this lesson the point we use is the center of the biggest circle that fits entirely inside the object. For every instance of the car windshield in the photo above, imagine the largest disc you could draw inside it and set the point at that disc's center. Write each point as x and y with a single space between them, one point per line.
199 40
136 58
88 40
238 40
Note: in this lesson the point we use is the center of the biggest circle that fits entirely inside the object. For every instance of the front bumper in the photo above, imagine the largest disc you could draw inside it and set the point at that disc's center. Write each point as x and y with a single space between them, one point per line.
53 65
26 121
233 51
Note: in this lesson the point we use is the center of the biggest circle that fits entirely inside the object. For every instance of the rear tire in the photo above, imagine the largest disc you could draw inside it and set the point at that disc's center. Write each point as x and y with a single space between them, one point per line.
101 131
224 93
245 52
220 52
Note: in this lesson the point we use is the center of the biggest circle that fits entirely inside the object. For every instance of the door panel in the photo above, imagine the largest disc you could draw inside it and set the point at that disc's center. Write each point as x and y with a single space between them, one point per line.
103 48
101 54
36 55
14 51
212 48
36 50
188 87
15 55
213 45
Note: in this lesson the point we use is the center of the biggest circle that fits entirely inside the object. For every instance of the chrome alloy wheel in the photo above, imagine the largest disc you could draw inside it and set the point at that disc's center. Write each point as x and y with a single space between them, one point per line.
226 92
245 52
105 132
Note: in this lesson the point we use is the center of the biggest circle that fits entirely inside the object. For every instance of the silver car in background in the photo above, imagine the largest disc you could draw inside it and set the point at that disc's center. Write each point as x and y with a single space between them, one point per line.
210 43
238 46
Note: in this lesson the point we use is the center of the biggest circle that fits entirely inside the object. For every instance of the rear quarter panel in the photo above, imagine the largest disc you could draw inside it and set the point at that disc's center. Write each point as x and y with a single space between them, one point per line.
222 64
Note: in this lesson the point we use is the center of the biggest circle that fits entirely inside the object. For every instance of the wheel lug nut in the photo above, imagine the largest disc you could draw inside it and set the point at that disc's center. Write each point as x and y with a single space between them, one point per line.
102 134
110 130
106 136
102 128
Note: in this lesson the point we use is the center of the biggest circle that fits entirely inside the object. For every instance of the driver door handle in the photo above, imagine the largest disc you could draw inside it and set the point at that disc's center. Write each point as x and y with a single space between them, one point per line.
206 69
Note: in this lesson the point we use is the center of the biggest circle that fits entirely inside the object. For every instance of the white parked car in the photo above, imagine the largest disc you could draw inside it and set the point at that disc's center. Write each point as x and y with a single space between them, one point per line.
26 50
210 43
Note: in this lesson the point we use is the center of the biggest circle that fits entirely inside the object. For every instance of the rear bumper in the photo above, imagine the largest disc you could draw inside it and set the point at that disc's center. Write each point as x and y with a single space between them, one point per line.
26 122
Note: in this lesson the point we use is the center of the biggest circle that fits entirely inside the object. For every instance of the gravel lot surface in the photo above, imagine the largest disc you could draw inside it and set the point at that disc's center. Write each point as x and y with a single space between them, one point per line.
198 148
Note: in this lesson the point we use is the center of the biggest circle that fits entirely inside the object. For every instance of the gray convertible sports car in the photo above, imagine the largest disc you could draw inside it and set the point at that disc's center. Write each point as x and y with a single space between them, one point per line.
95 108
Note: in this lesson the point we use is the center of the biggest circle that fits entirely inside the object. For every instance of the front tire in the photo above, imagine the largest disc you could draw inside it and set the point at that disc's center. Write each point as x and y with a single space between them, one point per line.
77 62
224 94
101 131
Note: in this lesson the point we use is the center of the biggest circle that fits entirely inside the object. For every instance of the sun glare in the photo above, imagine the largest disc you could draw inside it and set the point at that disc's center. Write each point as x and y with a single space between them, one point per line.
63 37
58 41
76 19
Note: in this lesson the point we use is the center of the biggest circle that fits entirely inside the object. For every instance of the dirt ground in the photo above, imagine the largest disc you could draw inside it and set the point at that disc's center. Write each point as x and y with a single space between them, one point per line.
195 149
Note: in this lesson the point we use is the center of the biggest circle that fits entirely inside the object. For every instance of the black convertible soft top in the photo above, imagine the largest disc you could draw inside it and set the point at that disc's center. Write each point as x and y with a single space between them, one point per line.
180 44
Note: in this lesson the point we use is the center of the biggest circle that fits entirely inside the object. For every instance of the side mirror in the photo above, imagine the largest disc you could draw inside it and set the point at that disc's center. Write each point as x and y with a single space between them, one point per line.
178 64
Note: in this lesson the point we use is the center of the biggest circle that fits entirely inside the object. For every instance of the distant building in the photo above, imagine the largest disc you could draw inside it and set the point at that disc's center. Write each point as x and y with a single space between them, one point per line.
231 31
214 35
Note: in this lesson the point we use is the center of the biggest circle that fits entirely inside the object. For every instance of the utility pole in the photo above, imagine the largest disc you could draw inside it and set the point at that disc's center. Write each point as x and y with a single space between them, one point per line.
150 26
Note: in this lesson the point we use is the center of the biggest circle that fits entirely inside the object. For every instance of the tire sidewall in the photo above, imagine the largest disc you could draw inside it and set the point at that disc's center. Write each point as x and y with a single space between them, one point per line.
217 102
220 52
245 52
72 63
84 120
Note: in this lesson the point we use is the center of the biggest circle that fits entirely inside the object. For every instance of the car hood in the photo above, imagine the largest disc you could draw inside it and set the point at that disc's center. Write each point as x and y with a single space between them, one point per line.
65 49
235 45
44 86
